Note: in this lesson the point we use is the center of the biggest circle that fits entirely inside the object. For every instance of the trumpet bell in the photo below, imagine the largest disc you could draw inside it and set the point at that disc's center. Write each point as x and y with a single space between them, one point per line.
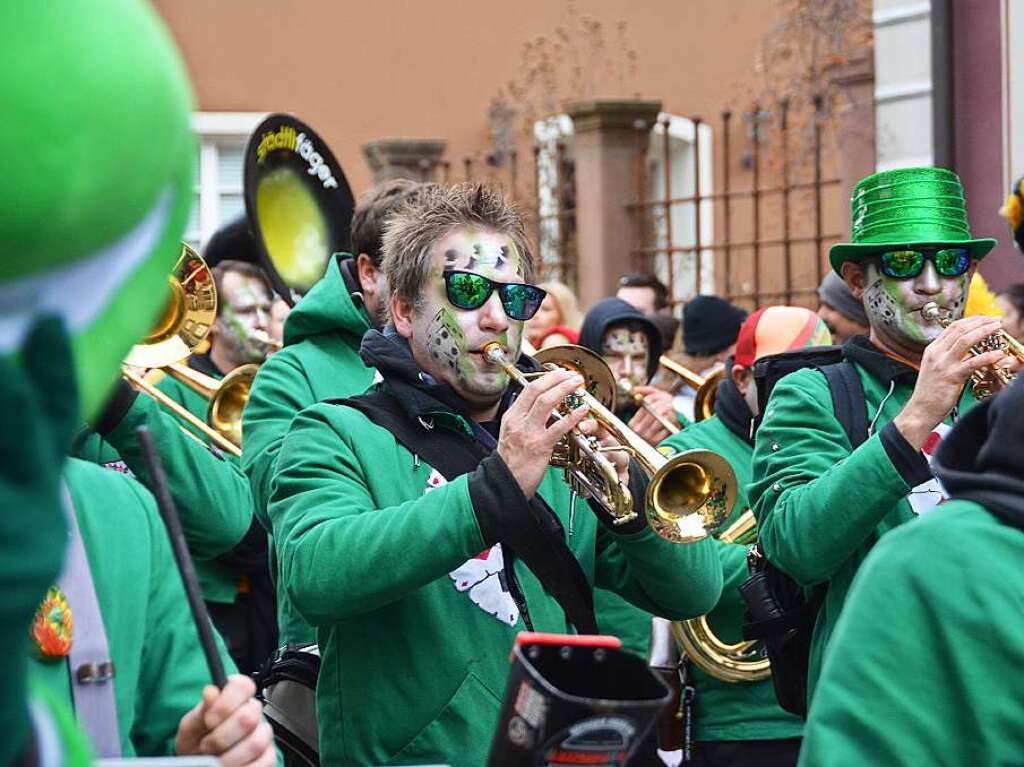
690 495
226 405
297 201
598 379
187 319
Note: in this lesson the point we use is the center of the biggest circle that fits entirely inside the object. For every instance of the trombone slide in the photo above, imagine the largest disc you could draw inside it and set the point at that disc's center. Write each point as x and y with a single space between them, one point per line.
183 413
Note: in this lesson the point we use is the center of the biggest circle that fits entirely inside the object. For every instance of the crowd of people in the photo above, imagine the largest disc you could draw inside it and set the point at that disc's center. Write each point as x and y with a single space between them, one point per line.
396 508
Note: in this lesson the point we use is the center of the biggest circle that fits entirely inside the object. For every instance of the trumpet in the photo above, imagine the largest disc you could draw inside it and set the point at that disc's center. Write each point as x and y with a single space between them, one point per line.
988 380
706 387
688 494
743 661
587 470
626 389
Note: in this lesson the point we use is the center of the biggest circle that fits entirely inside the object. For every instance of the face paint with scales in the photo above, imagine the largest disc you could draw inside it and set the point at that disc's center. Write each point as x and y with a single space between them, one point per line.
447 340
626 352
894 306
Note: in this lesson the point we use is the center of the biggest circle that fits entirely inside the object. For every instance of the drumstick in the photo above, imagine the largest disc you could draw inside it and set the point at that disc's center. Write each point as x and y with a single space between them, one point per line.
169 513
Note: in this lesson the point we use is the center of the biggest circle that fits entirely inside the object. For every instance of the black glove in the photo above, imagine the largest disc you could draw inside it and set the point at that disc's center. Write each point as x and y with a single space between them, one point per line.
118 404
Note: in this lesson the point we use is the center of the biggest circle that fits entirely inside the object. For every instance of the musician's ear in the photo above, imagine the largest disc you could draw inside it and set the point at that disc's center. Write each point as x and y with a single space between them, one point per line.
401 316
367 274
853 276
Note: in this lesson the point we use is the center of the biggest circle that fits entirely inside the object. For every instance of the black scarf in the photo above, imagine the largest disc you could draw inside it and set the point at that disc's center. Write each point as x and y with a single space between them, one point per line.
731 408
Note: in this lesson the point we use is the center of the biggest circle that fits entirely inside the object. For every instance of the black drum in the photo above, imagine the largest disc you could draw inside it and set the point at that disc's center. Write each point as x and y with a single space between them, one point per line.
574 700
287 687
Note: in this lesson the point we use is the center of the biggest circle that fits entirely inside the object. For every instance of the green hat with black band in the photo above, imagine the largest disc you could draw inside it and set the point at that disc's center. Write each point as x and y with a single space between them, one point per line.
907 208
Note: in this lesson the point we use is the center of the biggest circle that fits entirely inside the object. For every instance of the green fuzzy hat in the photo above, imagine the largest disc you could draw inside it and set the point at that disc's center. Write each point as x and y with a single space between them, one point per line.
97 183
904 208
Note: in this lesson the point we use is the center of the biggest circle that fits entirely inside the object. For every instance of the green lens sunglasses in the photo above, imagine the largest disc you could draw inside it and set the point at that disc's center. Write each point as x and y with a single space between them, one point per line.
469 290
907 264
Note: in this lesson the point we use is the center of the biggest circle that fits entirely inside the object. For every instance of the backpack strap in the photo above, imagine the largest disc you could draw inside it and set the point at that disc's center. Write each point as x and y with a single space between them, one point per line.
847 400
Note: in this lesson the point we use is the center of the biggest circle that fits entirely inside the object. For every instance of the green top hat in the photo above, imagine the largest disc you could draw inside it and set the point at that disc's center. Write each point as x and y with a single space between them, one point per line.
908 207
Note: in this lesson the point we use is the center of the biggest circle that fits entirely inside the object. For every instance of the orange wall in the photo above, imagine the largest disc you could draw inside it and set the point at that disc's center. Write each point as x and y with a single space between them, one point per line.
358 71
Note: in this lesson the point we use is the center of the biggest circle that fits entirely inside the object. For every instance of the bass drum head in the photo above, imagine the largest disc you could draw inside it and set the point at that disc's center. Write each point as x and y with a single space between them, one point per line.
298 203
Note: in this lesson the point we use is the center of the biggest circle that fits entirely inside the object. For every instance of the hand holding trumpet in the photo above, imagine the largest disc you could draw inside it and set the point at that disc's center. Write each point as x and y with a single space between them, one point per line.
946 365
528 431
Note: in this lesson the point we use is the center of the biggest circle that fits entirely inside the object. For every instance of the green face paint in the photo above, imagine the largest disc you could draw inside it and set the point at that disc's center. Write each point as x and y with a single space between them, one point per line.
626 352
894 306
447 341
243 325
452 361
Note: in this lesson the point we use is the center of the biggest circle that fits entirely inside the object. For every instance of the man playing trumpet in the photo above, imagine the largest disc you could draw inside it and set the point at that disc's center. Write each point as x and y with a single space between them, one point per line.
822 504
418 550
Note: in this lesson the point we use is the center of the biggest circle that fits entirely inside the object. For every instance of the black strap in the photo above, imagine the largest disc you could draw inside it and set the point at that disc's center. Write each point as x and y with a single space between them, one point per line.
539 539
848 400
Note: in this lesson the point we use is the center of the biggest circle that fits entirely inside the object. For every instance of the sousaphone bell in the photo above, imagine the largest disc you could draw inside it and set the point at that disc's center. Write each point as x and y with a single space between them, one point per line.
297 201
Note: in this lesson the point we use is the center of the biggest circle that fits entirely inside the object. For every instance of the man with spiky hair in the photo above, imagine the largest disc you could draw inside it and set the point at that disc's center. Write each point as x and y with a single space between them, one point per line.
320 358
419 526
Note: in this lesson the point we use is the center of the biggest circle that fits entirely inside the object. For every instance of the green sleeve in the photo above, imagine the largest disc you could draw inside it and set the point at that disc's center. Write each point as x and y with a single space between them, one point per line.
674 581
816 502
915 673
332 537
279 392
173 670
211 492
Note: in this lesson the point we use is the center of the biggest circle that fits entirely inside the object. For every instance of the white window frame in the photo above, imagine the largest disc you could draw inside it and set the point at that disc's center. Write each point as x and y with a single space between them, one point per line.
547 133
683 130
214 130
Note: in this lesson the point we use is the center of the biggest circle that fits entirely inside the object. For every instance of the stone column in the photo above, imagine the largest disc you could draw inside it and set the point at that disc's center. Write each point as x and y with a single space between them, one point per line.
414 158
605 150
855 109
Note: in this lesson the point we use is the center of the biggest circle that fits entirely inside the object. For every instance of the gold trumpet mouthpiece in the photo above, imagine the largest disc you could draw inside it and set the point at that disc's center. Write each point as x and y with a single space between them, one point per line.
931 311
495 353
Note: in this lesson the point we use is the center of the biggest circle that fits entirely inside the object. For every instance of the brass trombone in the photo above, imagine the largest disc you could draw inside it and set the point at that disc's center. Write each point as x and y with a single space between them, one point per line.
743 661
626 389
183 326
705 387
688 494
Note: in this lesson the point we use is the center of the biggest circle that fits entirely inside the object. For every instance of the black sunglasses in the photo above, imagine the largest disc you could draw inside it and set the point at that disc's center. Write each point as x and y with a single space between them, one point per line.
907 264
469 290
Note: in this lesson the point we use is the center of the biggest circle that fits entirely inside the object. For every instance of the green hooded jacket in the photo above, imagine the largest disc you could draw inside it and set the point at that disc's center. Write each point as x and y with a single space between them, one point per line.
821 506
209 490
921 663
320 360
160 669
414 620
724 710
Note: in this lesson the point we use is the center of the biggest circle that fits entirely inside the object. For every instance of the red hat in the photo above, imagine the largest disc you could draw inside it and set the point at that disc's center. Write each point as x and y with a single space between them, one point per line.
775 329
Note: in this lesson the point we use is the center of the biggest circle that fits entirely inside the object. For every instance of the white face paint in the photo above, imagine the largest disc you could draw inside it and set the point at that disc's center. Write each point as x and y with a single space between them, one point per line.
243 324
894 306
448 341
627 352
